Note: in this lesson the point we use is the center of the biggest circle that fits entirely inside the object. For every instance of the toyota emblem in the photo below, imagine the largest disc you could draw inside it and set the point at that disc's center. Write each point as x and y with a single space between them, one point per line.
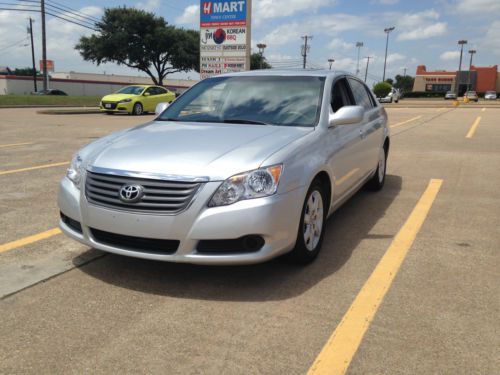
131 193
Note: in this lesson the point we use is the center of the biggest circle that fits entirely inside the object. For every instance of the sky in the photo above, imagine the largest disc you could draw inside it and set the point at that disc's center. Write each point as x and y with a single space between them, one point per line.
426 33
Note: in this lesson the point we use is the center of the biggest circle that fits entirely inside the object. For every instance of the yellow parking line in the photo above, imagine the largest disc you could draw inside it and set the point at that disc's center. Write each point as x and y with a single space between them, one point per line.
16 144
405 122
339 350
473 128
28 240
345 177
33 168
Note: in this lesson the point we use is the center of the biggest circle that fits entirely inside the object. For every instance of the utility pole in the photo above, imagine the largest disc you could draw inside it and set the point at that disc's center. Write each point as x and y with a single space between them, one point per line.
33 54
331 61
457 83
367 62
305 48
404 72
44 47
387 31
261 47
358 46
469 83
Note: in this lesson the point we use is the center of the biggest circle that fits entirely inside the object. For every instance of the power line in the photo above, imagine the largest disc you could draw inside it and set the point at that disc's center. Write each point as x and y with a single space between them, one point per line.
67 20
72 15
72 10
21 9
14 44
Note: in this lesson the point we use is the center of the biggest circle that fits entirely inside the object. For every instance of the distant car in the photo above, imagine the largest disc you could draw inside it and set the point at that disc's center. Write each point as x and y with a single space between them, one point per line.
450 95
50 92
490 95
471 95
136 99
393 96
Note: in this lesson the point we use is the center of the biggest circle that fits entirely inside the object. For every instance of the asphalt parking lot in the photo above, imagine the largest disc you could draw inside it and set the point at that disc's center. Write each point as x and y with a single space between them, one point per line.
385 296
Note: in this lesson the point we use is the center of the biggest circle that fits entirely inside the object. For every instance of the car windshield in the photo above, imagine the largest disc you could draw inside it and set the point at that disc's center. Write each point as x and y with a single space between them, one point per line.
262 100
134 90
490 92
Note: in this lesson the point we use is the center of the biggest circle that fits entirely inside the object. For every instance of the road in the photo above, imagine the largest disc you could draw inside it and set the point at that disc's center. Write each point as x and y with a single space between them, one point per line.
66 308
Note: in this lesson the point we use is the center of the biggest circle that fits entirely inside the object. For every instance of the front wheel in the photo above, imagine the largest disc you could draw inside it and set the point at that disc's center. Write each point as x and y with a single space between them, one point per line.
378 179
137 109
311 228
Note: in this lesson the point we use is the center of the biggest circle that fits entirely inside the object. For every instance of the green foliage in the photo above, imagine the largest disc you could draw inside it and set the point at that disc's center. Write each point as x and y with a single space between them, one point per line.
404 83
390 81
24 72
256 59
140 40
381 89
77 101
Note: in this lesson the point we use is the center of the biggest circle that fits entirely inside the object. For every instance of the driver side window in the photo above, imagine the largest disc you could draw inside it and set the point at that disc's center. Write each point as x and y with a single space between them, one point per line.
341 95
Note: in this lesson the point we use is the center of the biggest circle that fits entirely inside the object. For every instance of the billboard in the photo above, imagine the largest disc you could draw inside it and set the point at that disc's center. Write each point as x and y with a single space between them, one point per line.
225 27
49 64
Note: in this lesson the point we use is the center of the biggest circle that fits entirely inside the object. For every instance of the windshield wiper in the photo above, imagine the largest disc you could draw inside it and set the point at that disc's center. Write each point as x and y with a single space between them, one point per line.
244 121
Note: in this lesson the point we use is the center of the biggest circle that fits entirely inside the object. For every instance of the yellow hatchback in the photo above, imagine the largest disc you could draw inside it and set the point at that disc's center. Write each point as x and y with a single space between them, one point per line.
136 99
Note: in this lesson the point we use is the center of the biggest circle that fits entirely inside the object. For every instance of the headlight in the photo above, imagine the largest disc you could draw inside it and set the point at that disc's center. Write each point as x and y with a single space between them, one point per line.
74 172
258 183
125 100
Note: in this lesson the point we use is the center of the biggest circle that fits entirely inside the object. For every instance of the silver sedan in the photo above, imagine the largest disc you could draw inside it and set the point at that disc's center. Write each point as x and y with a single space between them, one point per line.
239 169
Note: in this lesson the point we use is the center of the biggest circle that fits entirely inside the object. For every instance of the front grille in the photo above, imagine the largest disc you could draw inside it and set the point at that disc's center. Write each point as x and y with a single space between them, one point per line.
159 196
112 105
142 244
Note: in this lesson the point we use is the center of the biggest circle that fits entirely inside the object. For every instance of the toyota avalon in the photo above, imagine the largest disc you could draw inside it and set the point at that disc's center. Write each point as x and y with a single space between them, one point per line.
240 169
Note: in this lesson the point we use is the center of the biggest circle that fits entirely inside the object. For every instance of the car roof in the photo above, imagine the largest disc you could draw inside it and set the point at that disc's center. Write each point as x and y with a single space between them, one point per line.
288 73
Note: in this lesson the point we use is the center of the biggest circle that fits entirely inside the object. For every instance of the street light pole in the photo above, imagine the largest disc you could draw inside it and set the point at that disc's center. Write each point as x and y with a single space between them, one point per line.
358 45
33 54
457 83
387 31
331 61
261 47
44 47
367 62
305 48
472 52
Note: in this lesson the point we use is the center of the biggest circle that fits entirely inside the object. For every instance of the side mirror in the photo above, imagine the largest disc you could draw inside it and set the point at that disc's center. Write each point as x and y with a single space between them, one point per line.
146 94
160 107
351 114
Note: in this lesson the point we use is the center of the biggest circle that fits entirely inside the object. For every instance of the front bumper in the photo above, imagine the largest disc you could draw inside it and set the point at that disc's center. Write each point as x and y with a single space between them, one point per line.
116 107
275 219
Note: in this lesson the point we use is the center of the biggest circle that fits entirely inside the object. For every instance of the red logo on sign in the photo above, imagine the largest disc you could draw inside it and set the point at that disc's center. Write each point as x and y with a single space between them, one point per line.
207 8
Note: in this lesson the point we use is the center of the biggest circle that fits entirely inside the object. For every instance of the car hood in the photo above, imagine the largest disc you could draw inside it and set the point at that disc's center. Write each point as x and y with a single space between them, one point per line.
117 97
212 150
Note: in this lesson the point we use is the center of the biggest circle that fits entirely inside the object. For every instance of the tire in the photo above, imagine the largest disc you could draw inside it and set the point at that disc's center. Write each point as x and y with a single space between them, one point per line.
110 113
137 110
377 181
308 245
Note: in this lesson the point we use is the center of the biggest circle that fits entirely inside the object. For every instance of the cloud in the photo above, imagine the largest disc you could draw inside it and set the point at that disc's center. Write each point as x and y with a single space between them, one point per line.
266 9
149 5
485 7
490 40
424 32
450 55
393 57
190 16
385 2
338 43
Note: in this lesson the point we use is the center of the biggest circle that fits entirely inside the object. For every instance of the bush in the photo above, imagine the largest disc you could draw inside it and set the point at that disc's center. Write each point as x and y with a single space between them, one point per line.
381 89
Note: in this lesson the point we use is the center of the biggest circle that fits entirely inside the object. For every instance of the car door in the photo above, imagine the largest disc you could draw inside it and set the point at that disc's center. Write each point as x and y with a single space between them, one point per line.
165 96
371 130
344 144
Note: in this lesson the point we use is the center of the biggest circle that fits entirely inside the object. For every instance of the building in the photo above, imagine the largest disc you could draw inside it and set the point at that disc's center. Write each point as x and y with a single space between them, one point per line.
480 79
83 84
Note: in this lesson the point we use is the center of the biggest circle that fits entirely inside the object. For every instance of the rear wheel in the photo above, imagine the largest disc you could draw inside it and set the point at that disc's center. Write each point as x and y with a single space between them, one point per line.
378 179
311 228
137 110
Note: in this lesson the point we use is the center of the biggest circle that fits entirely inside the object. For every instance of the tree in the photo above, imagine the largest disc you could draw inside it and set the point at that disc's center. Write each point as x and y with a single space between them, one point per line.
404 83
140 40
390 81
381 89
255 62
24 72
